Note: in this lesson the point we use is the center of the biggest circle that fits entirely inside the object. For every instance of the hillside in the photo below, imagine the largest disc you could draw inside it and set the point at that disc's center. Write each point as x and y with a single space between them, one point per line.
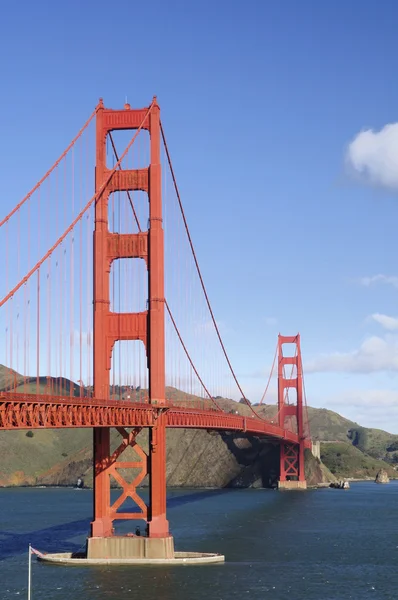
24 458
213 460
328 426
344 460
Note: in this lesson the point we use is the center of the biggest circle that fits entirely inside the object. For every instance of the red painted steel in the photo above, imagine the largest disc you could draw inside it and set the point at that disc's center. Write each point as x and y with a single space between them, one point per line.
158 525
147 326
31 411
289 461
291 457
24 411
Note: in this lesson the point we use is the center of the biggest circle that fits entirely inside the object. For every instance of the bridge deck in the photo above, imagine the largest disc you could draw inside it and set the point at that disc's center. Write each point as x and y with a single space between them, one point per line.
29 411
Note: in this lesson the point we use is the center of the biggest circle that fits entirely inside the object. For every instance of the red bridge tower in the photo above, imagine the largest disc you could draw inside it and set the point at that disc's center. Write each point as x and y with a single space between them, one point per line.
148 327
292 472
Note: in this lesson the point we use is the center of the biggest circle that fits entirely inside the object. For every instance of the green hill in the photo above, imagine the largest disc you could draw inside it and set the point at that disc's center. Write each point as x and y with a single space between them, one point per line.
344 460
328 426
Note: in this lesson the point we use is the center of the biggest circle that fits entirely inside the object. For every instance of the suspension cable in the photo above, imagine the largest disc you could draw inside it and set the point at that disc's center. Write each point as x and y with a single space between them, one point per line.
80 215
189 357
166 304
65 152
200 274
128 193
270 375
305 398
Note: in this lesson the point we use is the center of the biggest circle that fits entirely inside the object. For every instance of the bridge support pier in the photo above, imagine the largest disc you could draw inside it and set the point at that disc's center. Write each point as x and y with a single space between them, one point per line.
156 541
125 547
292 485
102 525
292 468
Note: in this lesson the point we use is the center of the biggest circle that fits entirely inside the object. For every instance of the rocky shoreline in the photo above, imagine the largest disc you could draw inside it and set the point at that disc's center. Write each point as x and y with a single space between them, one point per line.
382 477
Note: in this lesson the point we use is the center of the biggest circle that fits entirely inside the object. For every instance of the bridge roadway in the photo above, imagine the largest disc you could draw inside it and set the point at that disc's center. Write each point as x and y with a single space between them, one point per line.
30 411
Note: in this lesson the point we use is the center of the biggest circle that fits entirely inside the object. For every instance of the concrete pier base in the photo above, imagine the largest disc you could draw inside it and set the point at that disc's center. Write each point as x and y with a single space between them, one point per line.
130 547
130 550
292 485
67 559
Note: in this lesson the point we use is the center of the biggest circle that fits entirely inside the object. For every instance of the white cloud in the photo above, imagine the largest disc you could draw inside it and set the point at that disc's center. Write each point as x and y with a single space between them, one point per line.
372 399
374 155
369 408
386 279
374 355
389 323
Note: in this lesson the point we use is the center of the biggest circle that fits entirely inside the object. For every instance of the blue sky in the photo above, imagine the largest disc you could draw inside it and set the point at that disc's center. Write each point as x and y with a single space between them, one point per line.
260 101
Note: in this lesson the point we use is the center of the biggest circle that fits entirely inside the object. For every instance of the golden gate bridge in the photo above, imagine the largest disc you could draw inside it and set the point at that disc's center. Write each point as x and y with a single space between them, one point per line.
104 289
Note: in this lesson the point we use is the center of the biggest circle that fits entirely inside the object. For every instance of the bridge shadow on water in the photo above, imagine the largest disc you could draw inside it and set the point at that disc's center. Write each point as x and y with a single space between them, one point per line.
54 538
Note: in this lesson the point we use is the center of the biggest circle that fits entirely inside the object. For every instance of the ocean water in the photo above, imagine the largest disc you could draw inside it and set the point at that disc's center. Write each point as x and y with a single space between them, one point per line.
320 544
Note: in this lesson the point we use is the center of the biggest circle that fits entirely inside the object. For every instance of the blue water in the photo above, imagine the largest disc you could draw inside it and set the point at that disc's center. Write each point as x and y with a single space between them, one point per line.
320 544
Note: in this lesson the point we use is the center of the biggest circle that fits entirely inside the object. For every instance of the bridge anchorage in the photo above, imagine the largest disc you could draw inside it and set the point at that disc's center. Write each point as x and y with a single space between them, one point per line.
94 408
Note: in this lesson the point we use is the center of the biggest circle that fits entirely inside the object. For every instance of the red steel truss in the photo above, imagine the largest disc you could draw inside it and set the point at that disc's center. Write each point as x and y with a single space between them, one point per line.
289 462
29 411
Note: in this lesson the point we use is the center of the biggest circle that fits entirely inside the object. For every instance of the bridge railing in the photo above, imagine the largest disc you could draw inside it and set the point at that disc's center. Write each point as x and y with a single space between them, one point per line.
194 404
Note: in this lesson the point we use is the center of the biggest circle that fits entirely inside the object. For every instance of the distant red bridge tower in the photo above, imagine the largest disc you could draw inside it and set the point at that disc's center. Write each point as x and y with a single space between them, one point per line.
292 471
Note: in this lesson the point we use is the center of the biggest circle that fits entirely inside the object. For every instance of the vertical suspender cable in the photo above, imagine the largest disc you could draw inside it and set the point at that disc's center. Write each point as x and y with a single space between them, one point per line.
38 333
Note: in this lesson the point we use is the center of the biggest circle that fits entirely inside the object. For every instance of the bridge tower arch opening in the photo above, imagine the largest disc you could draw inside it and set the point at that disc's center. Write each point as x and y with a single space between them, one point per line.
290 377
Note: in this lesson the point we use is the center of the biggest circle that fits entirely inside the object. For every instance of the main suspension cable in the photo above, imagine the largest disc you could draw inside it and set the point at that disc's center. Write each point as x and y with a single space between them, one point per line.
128 193
188 356
38 184
80 215
270 375
200 274
305 399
